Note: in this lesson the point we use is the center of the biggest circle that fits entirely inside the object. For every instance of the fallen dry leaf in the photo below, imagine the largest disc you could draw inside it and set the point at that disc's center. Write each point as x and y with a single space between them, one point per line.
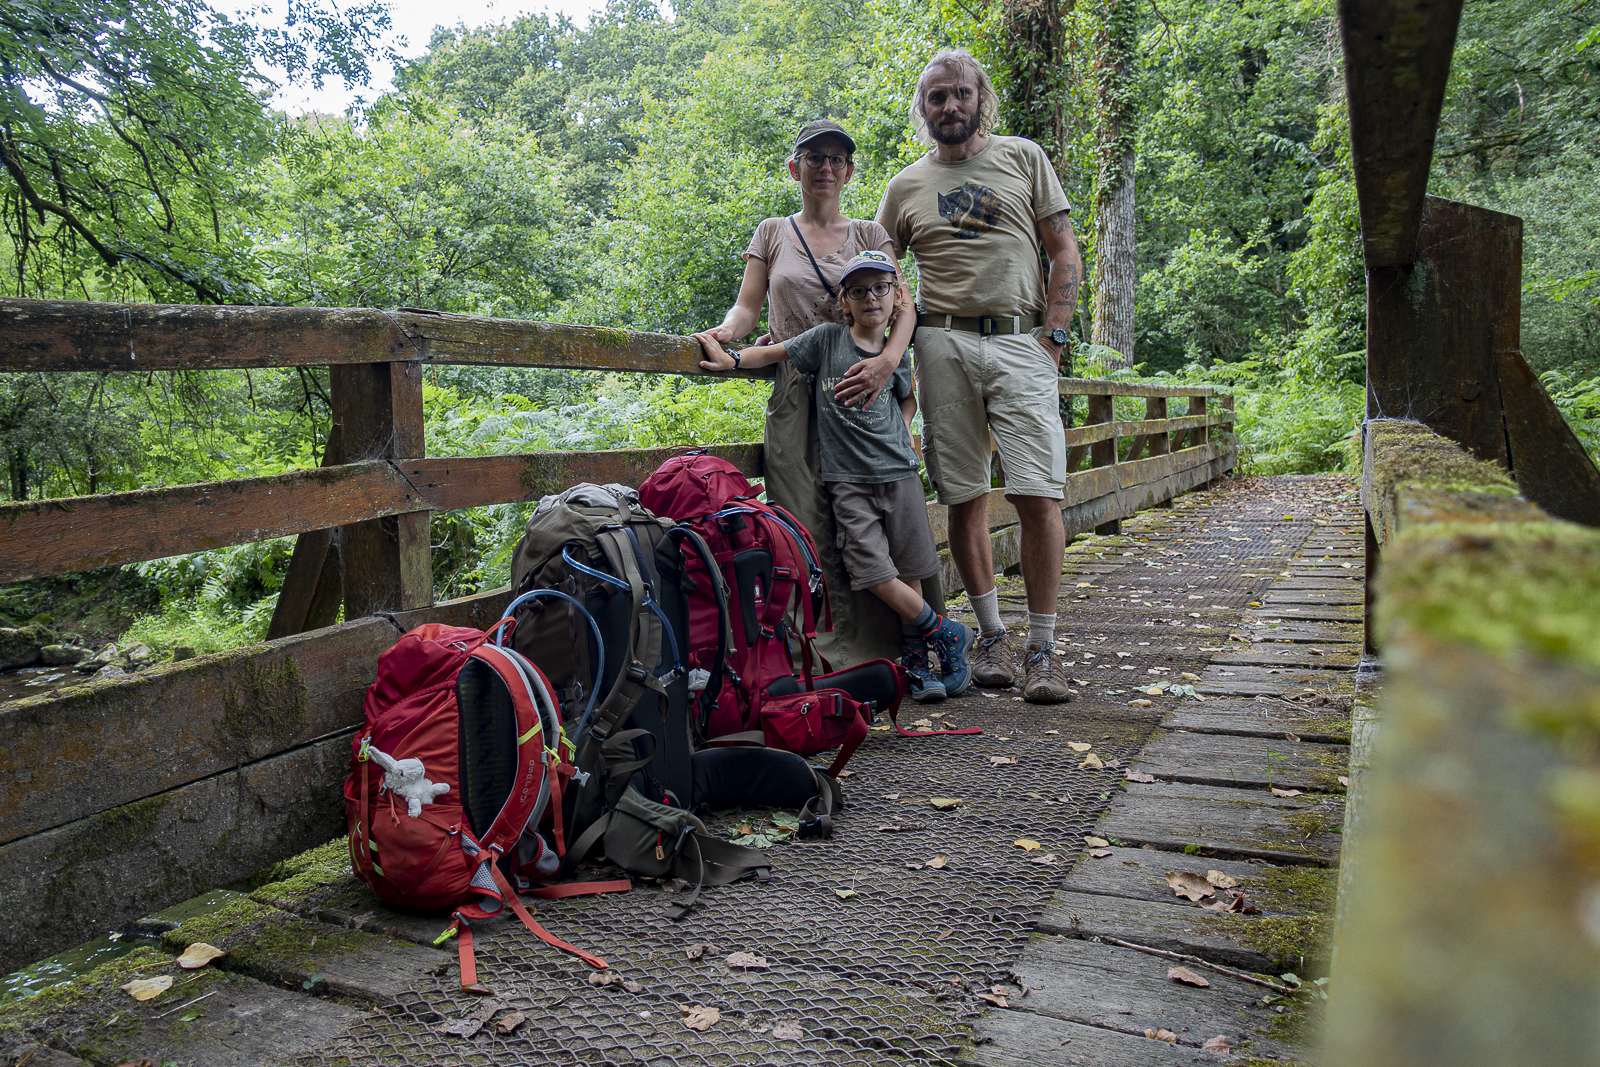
845 774
1190 886
1091 760
1291 737
891 796
845 894
1191 677
938 863
511 1022
1027 844
890 829
469 1025
698 1018
1051 732
1220 880
788 1030
1139 776
694 952
1099 853
1285 792
1217 1044
747 961
945 803
1187 977
994 998
995 761
1095 842
1161 1033
1048 859
1140 703
198 955
146 988
1344 781
914 865
1079 746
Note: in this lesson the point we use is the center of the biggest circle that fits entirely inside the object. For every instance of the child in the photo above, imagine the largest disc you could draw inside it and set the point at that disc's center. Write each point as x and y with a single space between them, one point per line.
870 469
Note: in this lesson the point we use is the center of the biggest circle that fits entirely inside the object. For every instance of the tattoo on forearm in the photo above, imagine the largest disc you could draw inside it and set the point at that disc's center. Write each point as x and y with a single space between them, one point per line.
1068 287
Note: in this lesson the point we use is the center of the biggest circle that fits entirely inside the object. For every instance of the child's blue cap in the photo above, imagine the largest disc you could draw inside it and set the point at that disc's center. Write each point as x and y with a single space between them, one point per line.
871 259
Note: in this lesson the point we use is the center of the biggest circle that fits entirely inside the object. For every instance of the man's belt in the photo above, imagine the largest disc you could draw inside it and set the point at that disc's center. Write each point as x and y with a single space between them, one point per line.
982 325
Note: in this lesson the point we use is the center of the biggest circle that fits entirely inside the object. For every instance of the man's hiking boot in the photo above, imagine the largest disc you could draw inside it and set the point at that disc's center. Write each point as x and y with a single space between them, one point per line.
951 641
1045 681
925 685
993 664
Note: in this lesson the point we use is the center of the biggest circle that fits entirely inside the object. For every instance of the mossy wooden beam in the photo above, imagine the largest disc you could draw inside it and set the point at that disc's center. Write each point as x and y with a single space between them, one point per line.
1396 61
98 745
1467 933
66 885
69 534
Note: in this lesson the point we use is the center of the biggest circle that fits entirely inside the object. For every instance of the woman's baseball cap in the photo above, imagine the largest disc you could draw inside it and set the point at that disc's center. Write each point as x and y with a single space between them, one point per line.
869 259
822 128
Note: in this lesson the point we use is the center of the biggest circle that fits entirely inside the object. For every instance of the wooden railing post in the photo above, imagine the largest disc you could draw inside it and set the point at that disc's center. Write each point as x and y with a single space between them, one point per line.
1158 444
1103 453
388 564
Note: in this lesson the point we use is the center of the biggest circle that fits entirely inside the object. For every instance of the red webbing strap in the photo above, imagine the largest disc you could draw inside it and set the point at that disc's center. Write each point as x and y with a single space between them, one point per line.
469 963
558 786
852 741
365 848
579 889
510 897
894 717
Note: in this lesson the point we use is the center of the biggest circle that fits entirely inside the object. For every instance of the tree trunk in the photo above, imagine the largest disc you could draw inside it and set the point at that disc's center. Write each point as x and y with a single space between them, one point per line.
1116 43
1036 77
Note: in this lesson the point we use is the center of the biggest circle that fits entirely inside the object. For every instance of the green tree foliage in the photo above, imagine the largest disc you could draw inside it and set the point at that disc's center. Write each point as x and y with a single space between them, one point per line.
125 127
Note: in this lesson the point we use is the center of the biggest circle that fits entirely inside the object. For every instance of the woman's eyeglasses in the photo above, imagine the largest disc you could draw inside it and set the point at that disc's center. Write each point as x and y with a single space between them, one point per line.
859 292
815 160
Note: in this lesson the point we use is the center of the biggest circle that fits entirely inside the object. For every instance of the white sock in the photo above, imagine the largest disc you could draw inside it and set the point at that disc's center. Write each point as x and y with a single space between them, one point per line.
1042 629
986 606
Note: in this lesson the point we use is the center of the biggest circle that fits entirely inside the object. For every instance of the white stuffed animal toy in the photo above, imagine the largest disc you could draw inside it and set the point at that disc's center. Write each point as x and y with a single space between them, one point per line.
408 779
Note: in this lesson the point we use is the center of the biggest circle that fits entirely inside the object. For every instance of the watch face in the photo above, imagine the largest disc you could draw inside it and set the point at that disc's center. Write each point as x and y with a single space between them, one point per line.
1058 335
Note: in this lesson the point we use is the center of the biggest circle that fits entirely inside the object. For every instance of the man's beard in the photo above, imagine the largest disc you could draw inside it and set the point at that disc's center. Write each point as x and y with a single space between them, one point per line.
957 134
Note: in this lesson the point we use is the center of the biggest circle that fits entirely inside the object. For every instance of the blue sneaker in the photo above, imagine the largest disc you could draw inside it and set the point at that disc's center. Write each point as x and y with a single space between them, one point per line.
925 685
951 641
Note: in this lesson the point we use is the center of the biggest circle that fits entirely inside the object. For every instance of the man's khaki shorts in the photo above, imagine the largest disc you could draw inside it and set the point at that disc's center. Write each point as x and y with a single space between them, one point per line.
882 531
970 386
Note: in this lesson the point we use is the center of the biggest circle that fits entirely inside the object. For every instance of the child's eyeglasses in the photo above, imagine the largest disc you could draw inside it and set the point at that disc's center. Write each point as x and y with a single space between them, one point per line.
859 292
815 160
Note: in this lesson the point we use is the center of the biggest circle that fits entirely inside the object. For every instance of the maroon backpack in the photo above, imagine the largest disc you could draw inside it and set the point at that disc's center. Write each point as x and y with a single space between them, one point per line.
777 594
461 758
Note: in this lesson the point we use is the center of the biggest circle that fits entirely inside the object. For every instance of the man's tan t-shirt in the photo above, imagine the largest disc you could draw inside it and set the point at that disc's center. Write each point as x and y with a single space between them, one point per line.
973 227
796 300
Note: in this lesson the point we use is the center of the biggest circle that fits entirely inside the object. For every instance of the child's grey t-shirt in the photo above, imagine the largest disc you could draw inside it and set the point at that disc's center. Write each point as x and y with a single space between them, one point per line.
862 446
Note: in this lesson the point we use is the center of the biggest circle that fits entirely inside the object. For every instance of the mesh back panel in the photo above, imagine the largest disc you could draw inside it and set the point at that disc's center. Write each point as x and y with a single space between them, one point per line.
488 744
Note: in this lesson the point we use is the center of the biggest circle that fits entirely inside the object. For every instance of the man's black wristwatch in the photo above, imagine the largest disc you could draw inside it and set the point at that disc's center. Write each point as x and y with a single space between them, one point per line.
1058 336
734 352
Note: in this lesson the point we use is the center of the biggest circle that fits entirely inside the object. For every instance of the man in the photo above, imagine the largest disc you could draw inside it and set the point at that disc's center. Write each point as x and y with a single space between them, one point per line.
976 213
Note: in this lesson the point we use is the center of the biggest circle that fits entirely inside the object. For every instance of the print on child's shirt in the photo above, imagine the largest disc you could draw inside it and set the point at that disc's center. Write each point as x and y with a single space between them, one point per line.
871 420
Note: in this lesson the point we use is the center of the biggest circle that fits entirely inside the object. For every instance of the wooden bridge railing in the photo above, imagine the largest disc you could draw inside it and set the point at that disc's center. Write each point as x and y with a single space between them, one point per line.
122 796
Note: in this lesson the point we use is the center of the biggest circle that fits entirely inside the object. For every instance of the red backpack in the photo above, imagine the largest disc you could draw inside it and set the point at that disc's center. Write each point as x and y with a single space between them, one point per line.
776 595
461 758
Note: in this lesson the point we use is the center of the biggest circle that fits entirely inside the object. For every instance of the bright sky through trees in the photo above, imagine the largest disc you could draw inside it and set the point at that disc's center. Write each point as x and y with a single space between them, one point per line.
414 21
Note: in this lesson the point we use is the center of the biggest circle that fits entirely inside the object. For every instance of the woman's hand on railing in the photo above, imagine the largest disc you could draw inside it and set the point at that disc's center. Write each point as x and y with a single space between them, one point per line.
717 358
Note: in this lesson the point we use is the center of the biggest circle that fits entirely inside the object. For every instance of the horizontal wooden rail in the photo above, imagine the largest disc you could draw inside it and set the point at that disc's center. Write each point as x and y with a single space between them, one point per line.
1094 387
72 335
1104 431
62 536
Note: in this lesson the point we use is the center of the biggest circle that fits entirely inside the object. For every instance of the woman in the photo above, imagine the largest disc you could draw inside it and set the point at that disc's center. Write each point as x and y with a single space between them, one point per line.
793 265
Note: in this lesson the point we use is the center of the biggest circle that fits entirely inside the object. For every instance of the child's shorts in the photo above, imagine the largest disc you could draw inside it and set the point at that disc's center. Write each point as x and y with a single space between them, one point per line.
882 531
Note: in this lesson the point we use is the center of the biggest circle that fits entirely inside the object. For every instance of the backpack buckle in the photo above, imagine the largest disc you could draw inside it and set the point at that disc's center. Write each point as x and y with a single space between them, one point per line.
819 826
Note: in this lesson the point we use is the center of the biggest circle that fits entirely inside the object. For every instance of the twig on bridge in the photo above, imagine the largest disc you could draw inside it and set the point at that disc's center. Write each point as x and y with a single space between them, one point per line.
1181 957
196 1000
